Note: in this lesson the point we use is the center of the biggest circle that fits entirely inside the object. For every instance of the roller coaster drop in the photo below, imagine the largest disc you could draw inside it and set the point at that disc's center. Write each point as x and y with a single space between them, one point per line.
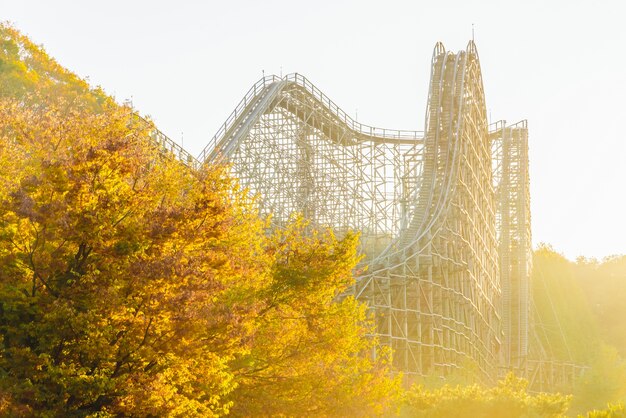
444 214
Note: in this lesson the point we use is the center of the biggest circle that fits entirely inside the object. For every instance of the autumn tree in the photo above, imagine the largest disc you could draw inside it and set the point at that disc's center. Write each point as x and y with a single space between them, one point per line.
611 411
130 284
133 285
311 355
127 281
508 399
26 68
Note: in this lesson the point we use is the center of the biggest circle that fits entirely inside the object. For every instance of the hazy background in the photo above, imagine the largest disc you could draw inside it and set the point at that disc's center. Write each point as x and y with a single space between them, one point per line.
559 64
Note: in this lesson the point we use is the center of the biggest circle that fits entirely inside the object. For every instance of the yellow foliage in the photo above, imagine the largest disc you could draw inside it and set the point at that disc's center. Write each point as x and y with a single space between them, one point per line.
612 411
508 399
133 286
309 354
127 282
25 68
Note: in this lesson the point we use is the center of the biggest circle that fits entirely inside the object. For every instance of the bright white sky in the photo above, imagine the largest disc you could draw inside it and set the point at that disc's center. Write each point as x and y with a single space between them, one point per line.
559 64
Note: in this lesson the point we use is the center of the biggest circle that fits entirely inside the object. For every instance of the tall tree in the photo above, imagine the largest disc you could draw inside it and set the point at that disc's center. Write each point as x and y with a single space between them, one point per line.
132 285
126 280
311 354
26 68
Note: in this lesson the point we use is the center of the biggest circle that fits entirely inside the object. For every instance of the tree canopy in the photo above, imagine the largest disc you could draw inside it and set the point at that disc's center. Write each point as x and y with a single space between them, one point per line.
133 285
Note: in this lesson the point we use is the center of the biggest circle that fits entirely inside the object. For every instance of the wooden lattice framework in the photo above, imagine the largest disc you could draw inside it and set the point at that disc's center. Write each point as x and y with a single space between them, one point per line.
511 185
444 214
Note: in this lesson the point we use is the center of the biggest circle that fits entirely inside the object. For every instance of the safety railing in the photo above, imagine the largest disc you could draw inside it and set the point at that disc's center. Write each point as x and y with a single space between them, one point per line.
254 91
358 127
261 87
167 144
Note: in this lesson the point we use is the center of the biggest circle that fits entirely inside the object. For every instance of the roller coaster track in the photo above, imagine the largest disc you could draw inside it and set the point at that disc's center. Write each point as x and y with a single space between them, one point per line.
443 214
